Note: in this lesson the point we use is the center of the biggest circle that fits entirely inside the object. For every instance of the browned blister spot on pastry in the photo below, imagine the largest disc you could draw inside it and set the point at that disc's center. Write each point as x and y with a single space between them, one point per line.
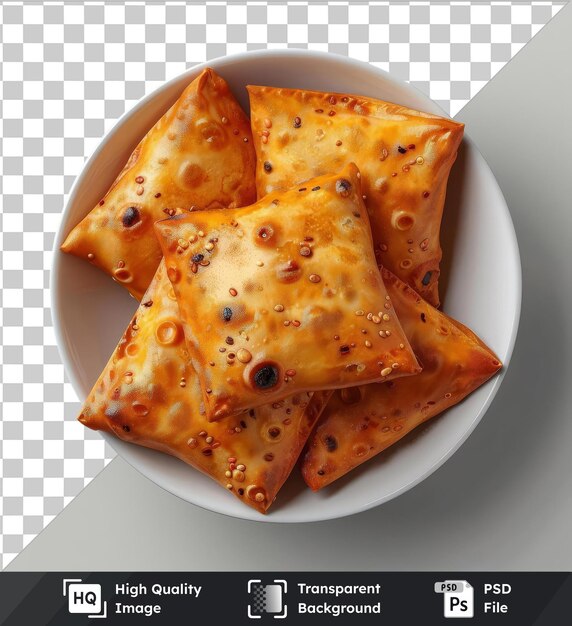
288 271
169 332
192 175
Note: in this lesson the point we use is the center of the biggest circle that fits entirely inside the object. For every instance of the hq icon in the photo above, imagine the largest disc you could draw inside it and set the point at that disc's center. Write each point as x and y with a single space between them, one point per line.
458 598
84 598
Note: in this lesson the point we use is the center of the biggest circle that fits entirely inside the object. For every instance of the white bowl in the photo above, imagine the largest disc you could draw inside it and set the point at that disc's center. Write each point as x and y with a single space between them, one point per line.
481 287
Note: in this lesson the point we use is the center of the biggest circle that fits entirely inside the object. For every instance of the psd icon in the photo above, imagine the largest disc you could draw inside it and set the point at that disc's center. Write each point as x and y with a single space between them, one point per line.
458 598
267 599
84 598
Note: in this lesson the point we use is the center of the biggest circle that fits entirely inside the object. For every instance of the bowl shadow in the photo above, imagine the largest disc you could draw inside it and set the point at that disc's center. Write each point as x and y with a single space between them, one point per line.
451 216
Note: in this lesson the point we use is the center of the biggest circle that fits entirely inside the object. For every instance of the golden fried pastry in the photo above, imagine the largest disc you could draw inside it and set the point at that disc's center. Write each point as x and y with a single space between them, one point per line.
284 296
199 154
149 394
360 422
404 156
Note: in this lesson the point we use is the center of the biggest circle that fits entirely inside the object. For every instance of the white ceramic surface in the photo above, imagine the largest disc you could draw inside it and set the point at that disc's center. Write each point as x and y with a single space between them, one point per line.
481 286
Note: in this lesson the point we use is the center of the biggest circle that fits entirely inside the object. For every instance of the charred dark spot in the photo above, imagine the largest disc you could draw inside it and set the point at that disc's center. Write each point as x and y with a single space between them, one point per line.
321 472
229 341
126 428
401 149
266 376
240 491
252 413
227 314
197 258
148 303
267 166
274 432
423 319
131 217
207 451
297 122
343 187
426 279
345 349
243 424
331 443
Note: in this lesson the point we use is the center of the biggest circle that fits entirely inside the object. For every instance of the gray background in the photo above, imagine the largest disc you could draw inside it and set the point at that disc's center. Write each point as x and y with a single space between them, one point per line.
504 501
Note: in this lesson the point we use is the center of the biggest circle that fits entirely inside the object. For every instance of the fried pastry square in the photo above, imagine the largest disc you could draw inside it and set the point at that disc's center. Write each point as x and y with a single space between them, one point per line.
284 296
360 422
404 157
199 154
148 394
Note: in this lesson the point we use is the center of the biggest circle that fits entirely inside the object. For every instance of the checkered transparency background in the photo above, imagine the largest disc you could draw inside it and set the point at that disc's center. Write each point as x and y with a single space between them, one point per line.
68 72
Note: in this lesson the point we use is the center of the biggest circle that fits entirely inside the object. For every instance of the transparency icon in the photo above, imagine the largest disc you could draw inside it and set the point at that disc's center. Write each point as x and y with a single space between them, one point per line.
267 599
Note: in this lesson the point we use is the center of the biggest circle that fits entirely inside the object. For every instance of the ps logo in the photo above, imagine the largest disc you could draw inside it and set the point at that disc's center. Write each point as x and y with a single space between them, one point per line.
84 598
458 598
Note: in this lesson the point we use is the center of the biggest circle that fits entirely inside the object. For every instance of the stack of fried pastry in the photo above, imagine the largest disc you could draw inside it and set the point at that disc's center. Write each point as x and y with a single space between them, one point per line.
287 270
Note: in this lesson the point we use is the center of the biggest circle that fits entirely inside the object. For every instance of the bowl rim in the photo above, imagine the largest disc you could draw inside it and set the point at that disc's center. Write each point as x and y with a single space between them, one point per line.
57 255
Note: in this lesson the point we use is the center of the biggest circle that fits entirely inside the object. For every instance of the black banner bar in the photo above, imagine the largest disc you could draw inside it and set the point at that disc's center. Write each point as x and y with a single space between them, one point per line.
247 598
